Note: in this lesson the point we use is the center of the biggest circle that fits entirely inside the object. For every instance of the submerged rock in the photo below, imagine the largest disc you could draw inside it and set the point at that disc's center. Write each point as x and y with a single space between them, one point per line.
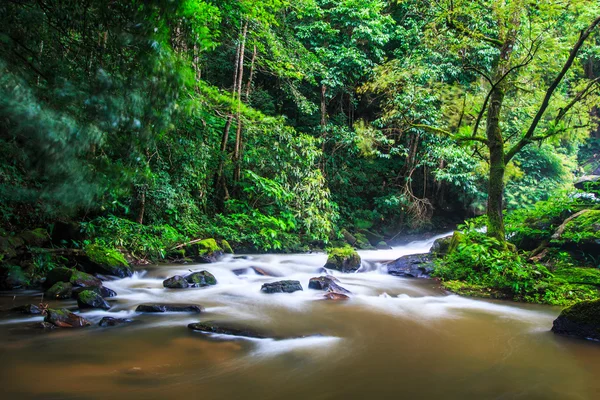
335 296
257 270
411 266
176 282
326 283
581 320
63 318
201 279
225 329
91 299
344 259
29 309
60 291
161 308
281 287
110 321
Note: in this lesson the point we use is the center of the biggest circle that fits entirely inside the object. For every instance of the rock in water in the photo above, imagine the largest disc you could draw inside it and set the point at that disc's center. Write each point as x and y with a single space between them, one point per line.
411 266
335 296
101 260
326 283
201 279
225 329
281 287
344 259
63 318
60 290
110 321
29 309
91 299
82 279
581 320
161 308
102 291
176 282
441 246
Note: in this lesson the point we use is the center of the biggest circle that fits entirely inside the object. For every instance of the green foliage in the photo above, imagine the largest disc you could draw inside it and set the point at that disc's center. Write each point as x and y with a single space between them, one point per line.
105 256
480 265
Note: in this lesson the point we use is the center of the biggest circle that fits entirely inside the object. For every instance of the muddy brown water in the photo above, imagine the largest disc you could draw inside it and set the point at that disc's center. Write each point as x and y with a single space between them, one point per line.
395 338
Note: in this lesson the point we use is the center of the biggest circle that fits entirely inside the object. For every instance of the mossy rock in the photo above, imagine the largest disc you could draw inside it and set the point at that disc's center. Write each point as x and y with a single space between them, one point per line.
226 246
82 279
59 274
344 259
348 237
13 277
583 230
35 238
8 247
441 246
373 238
204 251
60 290
63 318
176 282
201 279
583 276
581 320
107 261
91 299
472 290
362 242
456 239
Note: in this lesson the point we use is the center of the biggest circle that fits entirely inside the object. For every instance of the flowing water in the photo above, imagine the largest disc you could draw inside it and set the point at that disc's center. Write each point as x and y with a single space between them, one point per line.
395 338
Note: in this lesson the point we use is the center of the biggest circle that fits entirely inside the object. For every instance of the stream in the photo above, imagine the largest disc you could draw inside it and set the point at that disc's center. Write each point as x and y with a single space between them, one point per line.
394 338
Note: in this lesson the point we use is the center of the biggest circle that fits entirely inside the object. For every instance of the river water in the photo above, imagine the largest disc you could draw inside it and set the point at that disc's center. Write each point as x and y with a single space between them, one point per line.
395 338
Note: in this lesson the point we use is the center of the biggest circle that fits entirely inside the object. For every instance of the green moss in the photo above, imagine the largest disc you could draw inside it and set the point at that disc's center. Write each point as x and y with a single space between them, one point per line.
60 290
226 247
473 290
207 246
87 296
585 276
36 237
362 242
455 241
105 256
344 259
586 312
584 228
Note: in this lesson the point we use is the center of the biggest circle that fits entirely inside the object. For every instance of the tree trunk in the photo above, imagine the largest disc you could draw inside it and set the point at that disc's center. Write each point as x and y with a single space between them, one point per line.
238 132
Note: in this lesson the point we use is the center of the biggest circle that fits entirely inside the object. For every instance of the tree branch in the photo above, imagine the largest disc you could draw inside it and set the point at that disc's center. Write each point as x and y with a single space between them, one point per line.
526 139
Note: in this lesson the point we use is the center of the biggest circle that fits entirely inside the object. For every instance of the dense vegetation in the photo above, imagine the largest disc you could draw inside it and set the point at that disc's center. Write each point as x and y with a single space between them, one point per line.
281 126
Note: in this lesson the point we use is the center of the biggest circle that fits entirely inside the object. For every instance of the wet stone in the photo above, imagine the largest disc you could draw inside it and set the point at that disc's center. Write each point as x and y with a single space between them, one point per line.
281 287
161 308
110 321
29 309
225 329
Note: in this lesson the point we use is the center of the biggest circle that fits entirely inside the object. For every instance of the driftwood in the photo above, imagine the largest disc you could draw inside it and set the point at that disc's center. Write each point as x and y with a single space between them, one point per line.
179 246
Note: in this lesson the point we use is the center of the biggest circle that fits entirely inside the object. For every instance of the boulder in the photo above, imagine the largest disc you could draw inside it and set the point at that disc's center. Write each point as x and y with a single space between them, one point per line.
335 296
226 247
60 290
326 283
176 282
101 290
59 274
412 266
344 259
91 299
281 287
201 279
204 251
82 279
581 320
441 246
588 182
110 321
102 260
35 238
63 318
161 308
382 246
29 309
225 329
373 238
